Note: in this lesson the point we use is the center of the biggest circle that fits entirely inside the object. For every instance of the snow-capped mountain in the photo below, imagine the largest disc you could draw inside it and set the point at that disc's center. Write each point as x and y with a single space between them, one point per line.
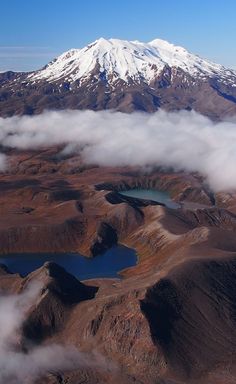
126 60
123 75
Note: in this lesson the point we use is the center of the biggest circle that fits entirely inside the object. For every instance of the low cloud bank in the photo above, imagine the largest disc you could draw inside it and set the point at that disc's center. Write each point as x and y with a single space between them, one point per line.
183 140
17 366
3 162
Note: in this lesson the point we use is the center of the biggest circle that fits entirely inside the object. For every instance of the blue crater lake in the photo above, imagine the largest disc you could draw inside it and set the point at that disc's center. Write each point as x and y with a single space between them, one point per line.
152 194
108 264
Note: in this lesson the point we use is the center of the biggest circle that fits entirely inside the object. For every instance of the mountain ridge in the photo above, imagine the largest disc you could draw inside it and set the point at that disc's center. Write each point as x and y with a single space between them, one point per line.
127 59
125 76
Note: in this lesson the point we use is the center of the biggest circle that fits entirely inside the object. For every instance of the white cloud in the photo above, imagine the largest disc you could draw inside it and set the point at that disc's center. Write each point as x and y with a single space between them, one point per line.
184 140
3 162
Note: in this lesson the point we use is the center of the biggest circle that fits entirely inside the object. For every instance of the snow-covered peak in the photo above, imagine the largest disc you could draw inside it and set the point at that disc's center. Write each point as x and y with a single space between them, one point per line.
125 60
159 43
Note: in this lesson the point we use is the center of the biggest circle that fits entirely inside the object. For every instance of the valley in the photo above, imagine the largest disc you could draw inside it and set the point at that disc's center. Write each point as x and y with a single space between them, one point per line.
147 326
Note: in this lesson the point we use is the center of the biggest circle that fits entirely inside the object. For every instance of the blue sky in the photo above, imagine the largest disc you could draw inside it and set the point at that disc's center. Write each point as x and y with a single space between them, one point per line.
32 32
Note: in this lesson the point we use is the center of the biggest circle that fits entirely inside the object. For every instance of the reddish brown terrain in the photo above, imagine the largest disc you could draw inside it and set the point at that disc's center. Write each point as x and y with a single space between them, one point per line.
171 319
172 90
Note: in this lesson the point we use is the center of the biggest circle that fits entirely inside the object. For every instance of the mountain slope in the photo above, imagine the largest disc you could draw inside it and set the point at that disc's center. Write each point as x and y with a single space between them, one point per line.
122 75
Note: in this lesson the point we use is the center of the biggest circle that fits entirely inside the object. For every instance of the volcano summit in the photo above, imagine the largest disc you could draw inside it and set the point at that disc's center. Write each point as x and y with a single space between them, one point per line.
122 75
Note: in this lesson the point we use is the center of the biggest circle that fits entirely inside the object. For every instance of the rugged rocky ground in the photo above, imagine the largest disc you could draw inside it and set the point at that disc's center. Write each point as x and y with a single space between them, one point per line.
171 319
49 203
165 327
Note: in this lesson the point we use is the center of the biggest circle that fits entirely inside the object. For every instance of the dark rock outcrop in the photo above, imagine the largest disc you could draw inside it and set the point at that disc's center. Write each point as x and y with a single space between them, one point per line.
105 239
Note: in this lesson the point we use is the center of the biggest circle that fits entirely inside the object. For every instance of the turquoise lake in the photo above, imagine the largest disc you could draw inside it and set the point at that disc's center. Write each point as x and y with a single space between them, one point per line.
151 194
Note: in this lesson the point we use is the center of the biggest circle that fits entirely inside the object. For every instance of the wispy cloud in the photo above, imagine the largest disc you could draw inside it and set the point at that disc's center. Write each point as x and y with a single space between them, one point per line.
19 47
24 51
25 58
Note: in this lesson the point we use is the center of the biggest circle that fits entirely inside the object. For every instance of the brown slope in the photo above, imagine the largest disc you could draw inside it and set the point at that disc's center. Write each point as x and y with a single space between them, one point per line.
191 315
172 90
